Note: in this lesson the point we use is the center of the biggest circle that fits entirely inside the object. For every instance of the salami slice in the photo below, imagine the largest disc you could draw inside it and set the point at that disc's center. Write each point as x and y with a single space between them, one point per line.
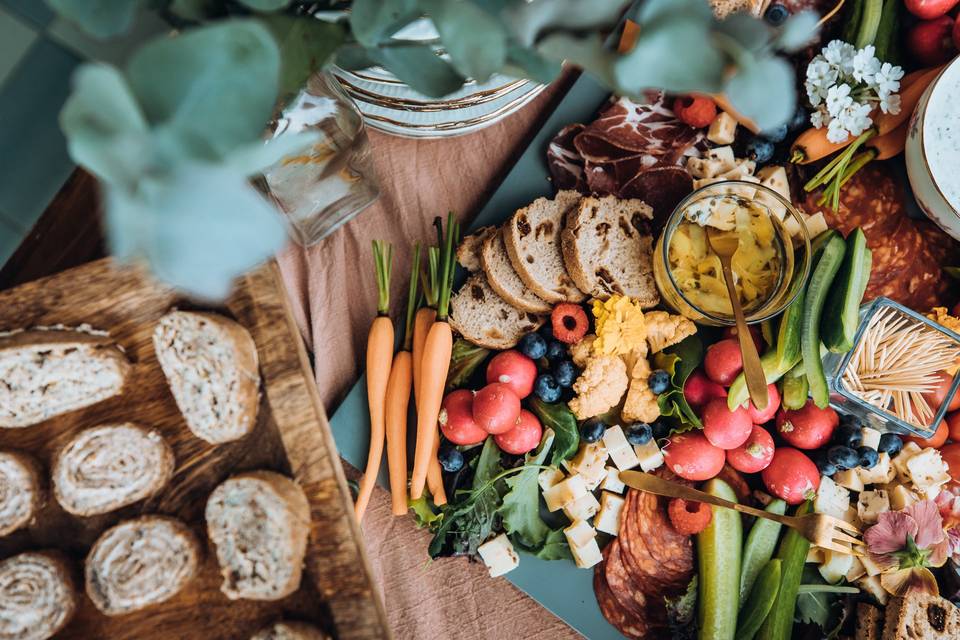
623 619
618 578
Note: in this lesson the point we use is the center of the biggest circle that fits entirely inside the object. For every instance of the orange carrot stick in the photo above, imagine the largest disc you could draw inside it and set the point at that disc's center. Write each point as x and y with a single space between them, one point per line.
909 97
891 144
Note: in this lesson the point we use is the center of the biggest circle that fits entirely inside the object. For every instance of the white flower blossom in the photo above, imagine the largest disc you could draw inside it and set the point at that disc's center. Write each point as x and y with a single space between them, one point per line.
890 103
820 75
855 118
836 132
839 55
838 98
865 65
887 79
819 118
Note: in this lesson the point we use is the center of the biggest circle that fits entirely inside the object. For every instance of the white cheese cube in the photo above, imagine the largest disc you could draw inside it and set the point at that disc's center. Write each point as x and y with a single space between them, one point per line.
832 499
703 167
587 555
927 470
625 458
852 517
909 450
589 455
881 473
871 437
848 478
615 438
815 554
835 566
816 224
550 477
871 504
871 584
499 555
901 498
579 533
724 155
612 481
736 173
856 570
608 518
703 182
649 454
565 492
747 166
742 190
723 129
583 508
931 493
871 567
790 224
775 177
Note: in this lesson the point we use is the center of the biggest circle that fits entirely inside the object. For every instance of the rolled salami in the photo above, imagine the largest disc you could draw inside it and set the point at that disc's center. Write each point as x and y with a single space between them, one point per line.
290 630
259 522
37 596
139 563
20 491
107 467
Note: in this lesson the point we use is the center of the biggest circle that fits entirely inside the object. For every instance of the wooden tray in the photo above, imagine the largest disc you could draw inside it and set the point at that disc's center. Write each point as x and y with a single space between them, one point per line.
292 436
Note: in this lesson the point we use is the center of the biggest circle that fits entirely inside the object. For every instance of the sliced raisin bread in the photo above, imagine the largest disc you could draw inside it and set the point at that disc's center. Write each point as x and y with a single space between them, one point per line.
532 239
37 595
607 248
468 251
503 278
485 319
21 494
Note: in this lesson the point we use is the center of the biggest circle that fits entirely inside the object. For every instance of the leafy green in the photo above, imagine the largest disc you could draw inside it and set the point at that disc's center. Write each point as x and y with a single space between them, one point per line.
520 510
824 605
529 20
554 547
373 21
558 418
266 5
306 45
99 18
475 40
464 360
423 514
798 31
419 66
681 612
750 88
679 361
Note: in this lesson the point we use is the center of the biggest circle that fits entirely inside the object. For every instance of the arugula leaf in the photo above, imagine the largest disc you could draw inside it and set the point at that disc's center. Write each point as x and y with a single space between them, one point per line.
554 547
679 361
423 515
824 606
681 612
464 360
560 419
520 510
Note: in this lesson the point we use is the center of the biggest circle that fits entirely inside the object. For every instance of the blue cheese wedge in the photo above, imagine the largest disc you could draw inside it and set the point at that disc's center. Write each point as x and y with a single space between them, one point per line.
565 492
835 566
579 533
649 455
588 555
871 504
608 518
499 555
612 481
832 499
583 508
723 129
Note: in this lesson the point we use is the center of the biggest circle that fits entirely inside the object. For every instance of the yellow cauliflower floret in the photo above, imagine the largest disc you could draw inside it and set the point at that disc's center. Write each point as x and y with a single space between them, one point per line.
600 387
944 319
641 403
664 330
582 351
620 325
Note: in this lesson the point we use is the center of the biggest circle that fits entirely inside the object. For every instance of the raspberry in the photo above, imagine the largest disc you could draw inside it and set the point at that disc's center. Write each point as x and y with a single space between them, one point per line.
569 322
696 111
689 517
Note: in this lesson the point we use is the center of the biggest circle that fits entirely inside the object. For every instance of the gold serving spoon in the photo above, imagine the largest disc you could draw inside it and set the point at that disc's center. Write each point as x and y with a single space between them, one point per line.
724 244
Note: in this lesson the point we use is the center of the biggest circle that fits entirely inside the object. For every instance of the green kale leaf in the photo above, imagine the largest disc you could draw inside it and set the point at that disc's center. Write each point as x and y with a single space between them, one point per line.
558 417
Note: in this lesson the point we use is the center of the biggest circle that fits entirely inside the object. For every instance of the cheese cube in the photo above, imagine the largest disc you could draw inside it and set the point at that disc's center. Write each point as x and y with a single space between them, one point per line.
723 129
815 554
931 493
564 492
703 167
927 469
856 570
703 182
832 499
608 518
852 517
871 504
589 456
499 556
901 498
742 190
871 567
871 437
724 155
625 458
587 555
848 478
775 177
871 584
583 508
612 481
649 454
790 223
579 533
747 166
881 473
614 438
835 566
736 173
550 477
909 450
816 224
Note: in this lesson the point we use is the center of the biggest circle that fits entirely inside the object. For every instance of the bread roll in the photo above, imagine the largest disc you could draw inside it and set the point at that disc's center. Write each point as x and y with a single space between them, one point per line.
139 563
20 491
259 522
37 596
107 467
290 630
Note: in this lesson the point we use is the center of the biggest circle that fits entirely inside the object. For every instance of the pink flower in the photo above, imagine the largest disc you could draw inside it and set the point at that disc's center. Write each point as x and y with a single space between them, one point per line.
905 543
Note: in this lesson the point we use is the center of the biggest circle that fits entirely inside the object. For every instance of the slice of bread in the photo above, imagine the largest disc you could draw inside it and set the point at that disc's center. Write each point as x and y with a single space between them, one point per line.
259 522
211 366
532 239
290 630
38 596
49 372
607 248
485 319
107 467
921 615
468 252
139 563
503 279
869 622
21 494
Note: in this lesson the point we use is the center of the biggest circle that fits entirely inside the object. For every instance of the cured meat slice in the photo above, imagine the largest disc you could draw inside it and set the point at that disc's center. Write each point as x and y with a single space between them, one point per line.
621 585
20 492
626 622
661 187
564 161
37 596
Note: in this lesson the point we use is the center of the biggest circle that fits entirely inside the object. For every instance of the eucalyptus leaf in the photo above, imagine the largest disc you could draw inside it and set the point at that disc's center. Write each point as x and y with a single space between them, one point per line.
255 157
374 21
214 86
651 11
353 57
655 61
589 53
475 41
749 32
420 67
528 63
750 90
306 45
196 10
529 19
798 31
265 5
99 18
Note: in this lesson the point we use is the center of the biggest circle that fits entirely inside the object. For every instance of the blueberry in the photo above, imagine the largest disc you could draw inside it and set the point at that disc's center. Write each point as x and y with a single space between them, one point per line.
639 433
850 421
760 150
660 429
776 135
843 457
659 381
564 372
825 467
849 436
556 351
868 457
890 444
776 15
450 458
799 119
533 346
592 430
546 388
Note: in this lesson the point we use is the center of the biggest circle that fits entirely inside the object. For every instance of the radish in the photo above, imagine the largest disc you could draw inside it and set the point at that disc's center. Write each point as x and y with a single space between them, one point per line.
808 428
723 362
515 370
699 390
724 428
929 9
754 455
692 457
936 397
456 419
791 476
522 438
930 42
496 408
773 403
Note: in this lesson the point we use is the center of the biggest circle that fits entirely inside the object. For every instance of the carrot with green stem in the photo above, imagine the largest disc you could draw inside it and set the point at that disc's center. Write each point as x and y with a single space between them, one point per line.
435 365
379 359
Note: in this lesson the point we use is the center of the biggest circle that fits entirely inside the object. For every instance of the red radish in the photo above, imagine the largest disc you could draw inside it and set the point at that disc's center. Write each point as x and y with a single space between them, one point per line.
496 408
699 390
791 476
773 403
936 440
724 428
731 332
456 419
723 362
515 370
755 454
808 428
930 43
522 438
951 455
692 457
953 425
929 9
936 398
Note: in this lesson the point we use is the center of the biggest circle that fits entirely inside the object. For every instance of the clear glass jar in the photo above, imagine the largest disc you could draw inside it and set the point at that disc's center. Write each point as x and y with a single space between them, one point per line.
794 263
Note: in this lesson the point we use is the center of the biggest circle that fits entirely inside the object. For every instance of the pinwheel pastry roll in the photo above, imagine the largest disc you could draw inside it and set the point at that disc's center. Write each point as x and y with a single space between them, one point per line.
37 595
290 630
211 366
21 494
259 522
110 466
139 563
